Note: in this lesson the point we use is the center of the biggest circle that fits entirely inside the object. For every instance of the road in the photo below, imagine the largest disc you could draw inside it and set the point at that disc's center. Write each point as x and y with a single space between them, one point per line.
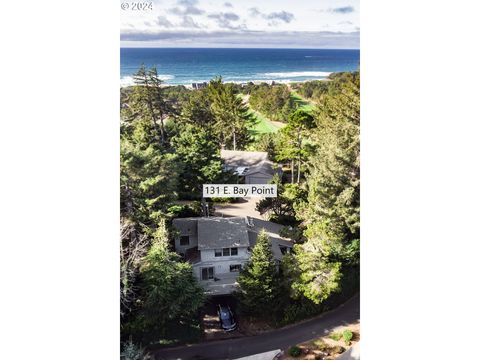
277 339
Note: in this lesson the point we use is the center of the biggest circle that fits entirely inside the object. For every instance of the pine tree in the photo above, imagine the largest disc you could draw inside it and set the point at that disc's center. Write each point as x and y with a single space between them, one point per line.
199 159
331 212
259 280
292 146
170 291
232 116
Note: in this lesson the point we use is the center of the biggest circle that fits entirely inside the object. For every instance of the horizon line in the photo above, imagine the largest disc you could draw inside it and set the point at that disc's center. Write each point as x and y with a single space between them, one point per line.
229 48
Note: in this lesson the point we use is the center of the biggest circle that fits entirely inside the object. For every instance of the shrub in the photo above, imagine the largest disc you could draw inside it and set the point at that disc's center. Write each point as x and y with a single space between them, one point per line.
335 336
294 351
181 211
134 352
347 336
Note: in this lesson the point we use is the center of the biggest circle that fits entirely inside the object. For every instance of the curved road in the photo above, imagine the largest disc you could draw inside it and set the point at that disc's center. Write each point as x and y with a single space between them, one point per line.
278 339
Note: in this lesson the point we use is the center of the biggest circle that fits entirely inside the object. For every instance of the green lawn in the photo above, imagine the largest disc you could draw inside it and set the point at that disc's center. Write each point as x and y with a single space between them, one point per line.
262 125
301 102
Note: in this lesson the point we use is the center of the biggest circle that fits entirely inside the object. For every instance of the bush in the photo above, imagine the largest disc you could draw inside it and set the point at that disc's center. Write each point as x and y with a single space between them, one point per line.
347 336
294 351
182 211
335 336
134 352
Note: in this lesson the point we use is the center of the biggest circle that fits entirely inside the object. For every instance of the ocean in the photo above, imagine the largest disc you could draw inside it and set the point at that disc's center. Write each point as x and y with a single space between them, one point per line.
186 66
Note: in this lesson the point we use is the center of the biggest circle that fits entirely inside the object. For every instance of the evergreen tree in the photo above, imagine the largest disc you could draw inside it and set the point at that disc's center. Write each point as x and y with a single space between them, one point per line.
314 277
292 146
197 110
146 101
259 280
232 116
171 293
280 209
331 212
148 180
199 159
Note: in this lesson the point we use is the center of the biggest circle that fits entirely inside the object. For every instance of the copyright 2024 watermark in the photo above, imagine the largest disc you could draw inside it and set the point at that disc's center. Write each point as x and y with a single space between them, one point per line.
137 6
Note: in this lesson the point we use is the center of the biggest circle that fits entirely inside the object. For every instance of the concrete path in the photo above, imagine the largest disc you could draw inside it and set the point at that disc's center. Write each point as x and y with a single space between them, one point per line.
277 339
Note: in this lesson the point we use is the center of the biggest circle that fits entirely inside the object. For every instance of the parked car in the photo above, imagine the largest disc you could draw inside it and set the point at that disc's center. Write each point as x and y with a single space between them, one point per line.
227 320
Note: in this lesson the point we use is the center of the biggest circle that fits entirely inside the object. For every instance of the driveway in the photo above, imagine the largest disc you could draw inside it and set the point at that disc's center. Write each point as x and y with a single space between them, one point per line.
277 339
244 207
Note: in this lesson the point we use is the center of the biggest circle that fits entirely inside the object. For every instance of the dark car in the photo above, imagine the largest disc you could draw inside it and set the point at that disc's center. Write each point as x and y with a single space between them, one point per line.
227 320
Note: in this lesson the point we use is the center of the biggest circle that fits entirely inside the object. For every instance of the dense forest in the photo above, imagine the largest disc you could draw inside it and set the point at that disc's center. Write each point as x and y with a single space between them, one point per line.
170 145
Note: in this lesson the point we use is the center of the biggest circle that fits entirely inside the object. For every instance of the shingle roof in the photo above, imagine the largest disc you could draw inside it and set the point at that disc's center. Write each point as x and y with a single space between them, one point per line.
243 158
186 226
273 231
265 167
215 233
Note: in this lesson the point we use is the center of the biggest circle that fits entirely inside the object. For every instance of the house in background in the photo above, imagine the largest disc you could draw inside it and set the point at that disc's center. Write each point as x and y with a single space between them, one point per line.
253 167
218 247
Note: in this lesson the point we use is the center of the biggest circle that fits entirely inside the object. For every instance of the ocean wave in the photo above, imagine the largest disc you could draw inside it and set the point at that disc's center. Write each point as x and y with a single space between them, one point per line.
297 74
128 80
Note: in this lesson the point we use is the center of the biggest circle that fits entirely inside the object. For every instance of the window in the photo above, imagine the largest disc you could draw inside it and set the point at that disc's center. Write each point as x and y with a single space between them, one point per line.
184 240
284 250
207 273
226 252
235 268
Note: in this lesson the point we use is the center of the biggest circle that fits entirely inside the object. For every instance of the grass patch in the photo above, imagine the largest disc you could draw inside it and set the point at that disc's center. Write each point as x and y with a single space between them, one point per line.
335 336
301 102
347 336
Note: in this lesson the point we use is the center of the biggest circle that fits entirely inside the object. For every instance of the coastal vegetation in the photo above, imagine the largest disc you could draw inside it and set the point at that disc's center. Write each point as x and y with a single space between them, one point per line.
170 145
274 100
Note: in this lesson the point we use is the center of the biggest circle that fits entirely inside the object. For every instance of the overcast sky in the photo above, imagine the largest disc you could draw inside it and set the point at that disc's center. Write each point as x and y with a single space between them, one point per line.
243 23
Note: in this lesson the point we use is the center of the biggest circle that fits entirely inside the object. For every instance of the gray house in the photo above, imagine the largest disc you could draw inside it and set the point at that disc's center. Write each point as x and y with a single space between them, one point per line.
218 248
252 166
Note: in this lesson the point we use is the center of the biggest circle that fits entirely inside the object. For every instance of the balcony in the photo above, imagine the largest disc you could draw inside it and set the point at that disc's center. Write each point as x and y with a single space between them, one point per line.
222 284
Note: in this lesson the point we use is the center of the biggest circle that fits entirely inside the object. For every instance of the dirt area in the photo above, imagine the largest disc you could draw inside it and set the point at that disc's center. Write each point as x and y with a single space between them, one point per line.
326 348
211 325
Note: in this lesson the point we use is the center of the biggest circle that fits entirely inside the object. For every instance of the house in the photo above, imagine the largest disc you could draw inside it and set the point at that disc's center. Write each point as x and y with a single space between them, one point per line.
218 247
253 167
198 86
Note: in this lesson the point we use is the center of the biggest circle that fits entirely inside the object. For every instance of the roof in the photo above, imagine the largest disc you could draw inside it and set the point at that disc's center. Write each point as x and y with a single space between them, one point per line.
265 167
243 158
273 232
216 232
186 225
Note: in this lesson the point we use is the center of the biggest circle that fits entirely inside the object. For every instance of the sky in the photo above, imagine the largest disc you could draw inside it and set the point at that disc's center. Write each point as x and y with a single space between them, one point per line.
332 24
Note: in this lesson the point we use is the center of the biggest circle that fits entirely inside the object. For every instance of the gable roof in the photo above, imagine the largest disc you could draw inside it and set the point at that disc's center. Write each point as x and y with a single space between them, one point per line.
216 233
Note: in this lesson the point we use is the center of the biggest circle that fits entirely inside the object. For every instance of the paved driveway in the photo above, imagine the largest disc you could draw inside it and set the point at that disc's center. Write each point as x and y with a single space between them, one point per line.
277 339
245 207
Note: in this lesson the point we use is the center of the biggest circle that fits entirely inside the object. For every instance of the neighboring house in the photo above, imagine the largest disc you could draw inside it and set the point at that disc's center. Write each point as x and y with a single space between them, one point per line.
218 248
252 166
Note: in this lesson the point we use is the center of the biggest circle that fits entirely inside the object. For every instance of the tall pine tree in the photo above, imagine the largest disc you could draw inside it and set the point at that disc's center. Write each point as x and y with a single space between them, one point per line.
259 280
